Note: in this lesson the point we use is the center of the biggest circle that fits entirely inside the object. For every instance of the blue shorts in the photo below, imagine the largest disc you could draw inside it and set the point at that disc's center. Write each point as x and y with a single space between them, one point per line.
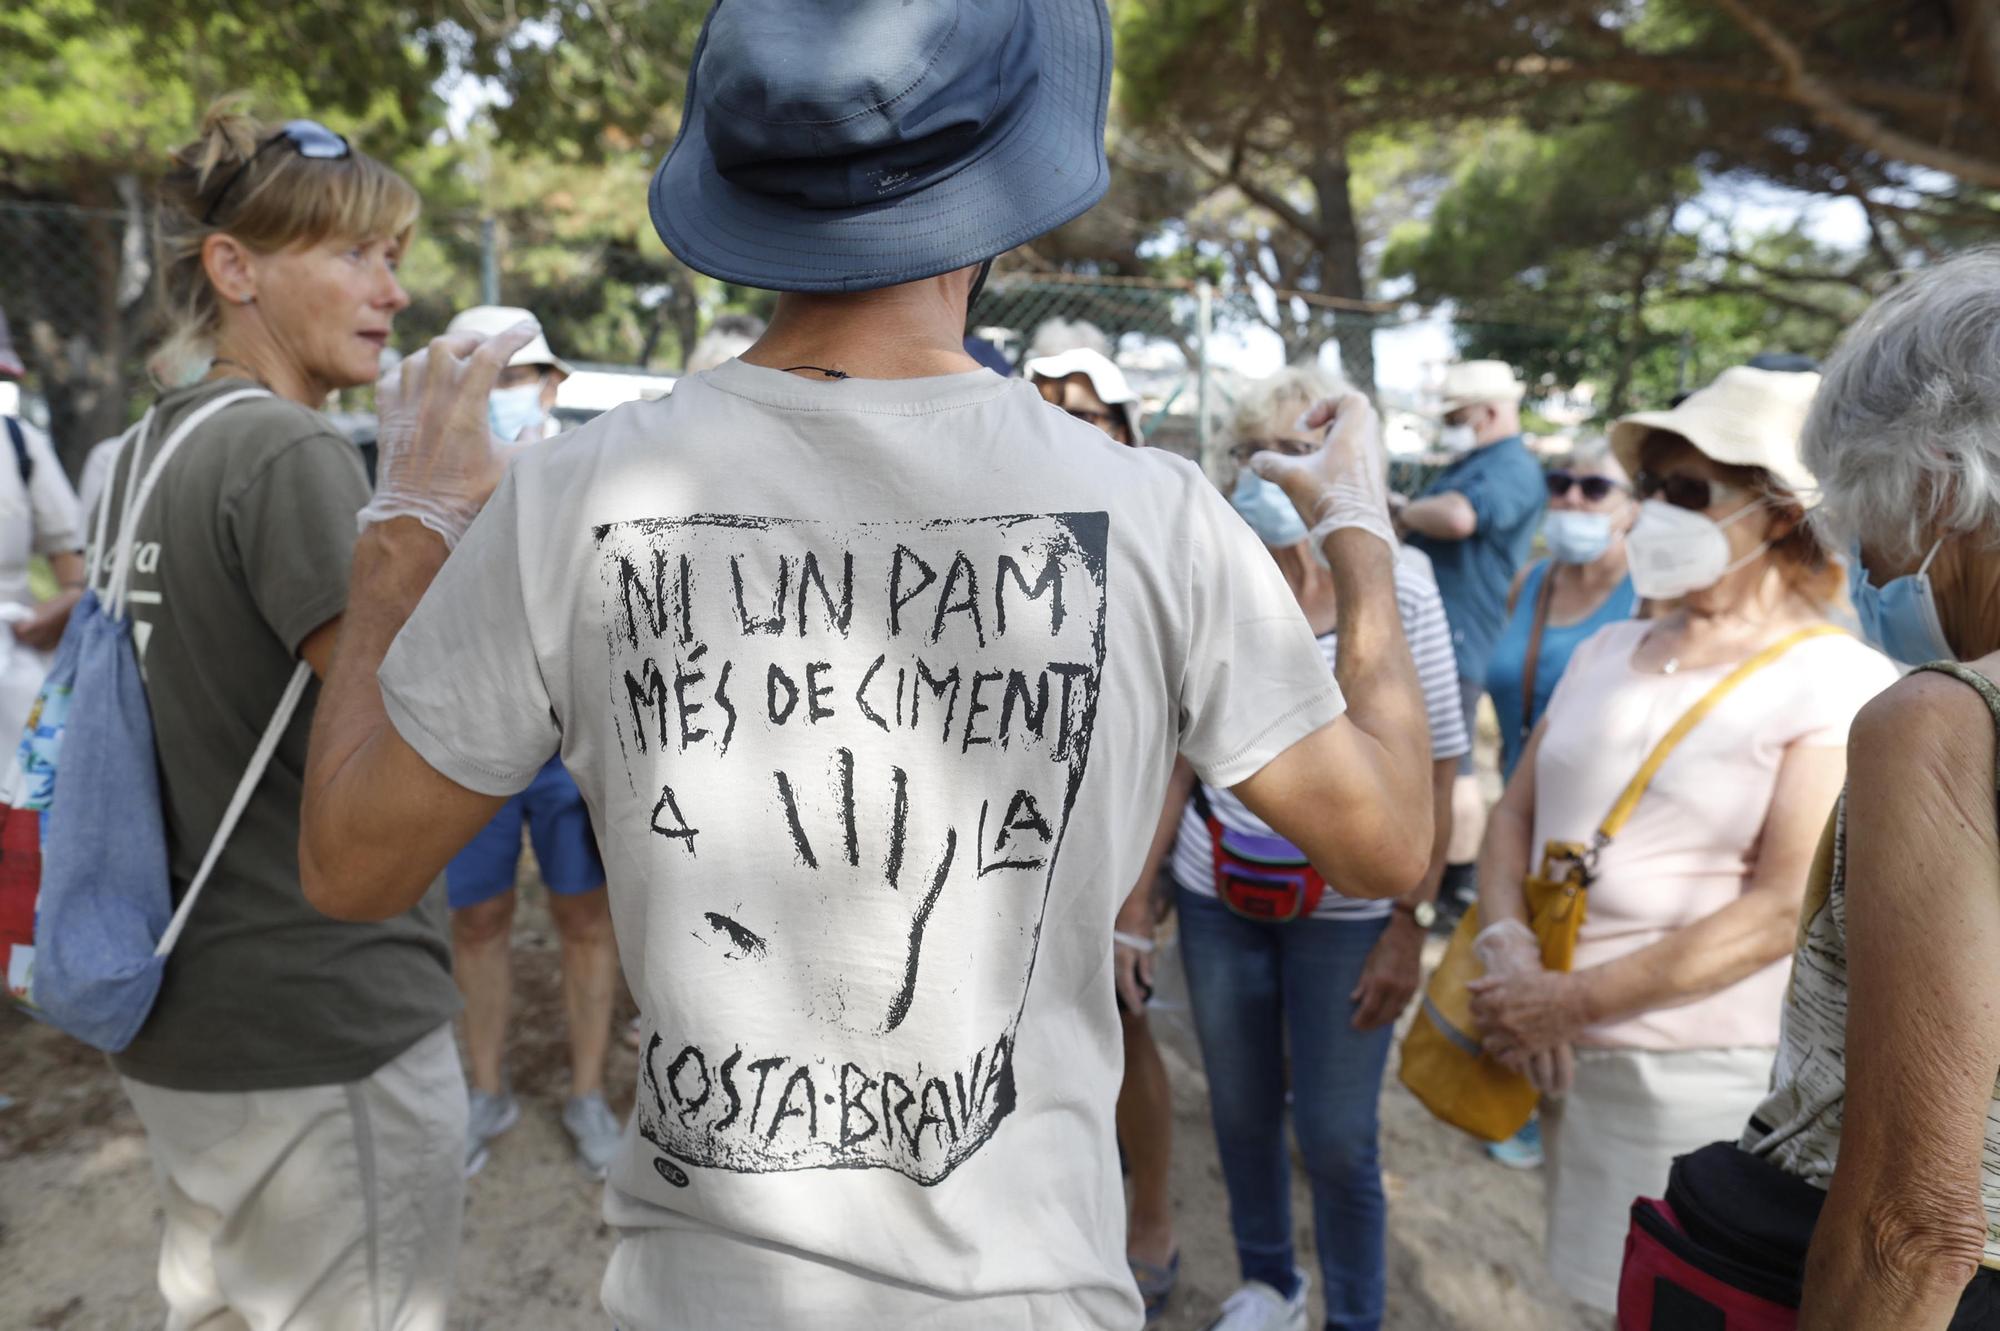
558 827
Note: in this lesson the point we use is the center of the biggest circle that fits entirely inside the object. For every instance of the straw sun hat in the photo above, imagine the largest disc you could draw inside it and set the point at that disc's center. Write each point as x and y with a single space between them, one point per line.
1746 418
1471 382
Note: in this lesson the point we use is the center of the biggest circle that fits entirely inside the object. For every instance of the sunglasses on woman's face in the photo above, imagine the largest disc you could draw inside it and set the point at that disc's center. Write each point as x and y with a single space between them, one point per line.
1697 494
308 138
1595 489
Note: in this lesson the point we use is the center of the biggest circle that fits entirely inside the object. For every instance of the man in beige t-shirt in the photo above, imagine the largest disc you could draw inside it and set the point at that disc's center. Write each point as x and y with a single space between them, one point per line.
871 666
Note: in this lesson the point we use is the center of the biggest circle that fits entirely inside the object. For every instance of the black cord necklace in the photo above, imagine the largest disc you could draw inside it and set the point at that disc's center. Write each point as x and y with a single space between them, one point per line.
819 369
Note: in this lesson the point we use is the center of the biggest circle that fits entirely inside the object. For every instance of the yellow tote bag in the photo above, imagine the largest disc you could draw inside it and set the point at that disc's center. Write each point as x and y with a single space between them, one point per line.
1443 1063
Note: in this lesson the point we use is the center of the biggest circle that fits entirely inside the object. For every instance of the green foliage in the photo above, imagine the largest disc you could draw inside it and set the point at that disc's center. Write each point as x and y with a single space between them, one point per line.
93 87
1576 258
596 80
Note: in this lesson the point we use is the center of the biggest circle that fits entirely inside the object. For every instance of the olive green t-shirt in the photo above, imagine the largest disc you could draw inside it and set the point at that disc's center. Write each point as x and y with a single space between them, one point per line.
242 552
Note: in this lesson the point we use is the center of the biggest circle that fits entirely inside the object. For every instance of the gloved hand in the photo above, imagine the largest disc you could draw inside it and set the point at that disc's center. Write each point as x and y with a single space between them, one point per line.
1345 483
1508 947
1526 1012
436 457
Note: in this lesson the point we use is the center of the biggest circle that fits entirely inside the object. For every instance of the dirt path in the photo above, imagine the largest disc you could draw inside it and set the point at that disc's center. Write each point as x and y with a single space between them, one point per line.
78 1222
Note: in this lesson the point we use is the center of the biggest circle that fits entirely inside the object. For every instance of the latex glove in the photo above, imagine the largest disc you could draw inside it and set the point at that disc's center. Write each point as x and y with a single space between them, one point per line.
1526 1013
437 459
1346 483
1508 947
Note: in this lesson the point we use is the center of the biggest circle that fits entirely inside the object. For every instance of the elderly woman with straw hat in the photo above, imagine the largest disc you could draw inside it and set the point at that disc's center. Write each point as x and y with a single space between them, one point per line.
1660 1037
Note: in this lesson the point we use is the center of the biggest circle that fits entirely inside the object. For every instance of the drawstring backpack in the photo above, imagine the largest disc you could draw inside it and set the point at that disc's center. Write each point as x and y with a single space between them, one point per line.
105 919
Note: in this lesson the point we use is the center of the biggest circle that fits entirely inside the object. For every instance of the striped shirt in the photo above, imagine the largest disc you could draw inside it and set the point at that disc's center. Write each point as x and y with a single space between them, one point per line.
1424 623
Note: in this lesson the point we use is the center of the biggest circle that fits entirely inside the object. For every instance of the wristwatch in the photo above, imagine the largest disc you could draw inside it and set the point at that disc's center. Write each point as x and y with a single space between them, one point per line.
1425 913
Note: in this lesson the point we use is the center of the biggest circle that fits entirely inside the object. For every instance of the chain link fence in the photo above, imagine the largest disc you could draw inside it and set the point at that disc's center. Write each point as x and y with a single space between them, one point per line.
78 293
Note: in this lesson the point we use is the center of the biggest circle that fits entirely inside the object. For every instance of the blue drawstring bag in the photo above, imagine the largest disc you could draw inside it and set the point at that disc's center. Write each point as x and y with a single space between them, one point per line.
105 919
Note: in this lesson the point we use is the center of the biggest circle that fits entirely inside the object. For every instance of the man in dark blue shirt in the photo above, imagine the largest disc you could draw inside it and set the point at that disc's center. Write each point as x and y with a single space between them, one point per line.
1476 522
1478 518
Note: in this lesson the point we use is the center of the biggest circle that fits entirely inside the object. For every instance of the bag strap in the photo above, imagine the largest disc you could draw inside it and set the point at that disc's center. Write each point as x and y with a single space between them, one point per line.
24 461
100 532
1628 803
288 705
1544 594
135 499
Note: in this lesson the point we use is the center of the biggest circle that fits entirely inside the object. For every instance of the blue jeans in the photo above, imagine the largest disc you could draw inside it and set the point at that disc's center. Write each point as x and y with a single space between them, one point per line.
1258 990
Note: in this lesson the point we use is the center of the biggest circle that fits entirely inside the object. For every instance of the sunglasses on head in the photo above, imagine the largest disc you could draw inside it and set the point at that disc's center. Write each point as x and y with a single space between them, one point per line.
1695 493
308 138
1593 488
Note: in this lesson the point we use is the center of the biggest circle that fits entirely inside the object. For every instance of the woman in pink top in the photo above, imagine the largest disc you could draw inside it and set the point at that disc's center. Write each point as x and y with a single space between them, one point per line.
1660 1039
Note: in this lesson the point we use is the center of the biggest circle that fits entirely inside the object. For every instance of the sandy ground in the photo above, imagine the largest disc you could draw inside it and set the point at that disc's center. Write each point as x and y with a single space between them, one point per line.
78 1222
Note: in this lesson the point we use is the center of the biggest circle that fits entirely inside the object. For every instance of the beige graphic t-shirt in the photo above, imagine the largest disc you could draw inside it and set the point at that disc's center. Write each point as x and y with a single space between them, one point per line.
1798 1126
873 688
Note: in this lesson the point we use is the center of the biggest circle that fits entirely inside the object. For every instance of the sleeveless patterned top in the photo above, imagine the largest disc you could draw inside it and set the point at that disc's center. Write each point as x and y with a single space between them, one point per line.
1798 1126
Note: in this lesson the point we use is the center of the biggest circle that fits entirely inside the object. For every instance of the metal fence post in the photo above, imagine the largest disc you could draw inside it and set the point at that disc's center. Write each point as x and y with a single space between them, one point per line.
1204 326
489 262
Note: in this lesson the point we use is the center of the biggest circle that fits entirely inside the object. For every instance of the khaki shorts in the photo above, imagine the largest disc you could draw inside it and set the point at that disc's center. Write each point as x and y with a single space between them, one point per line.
322 1208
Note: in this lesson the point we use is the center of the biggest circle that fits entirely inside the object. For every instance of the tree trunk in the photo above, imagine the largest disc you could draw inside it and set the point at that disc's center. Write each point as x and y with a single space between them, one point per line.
1636 332
1339 244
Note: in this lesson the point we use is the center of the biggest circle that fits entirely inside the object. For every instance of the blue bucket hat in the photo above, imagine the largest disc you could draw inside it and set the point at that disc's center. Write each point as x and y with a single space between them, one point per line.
846 145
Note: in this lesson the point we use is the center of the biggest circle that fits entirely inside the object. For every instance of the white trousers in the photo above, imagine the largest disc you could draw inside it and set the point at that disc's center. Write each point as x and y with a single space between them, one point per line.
319 1208
1614 1137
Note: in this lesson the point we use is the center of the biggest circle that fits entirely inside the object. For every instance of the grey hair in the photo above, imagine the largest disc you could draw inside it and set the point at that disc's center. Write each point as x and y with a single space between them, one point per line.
1594 450
1280 399
1904 435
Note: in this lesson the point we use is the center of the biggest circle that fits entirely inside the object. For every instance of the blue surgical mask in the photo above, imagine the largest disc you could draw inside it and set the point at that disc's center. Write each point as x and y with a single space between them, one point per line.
1900 616
1267 510
1576 537
512 410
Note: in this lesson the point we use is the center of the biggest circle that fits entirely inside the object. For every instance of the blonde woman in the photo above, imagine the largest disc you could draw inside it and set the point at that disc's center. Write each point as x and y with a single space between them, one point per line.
1295 1013
297 1079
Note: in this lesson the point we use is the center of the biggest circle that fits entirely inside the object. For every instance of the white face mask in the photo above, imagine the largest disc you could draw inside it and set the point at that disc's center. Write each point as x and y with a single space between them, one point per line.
1673 551
1458 440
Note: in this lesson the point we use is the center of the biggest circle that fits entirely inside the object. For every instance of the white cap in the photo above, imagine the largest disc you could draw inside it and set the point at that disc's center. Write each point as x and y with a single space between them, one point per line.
1106 380
1471 382
486 320
1746 418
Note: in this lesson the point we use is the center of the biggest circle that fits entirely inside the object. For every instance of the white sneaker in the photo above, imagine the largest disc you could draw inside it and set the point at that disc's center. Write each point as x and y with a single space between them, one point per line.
1258 1307
595 1130
490 1116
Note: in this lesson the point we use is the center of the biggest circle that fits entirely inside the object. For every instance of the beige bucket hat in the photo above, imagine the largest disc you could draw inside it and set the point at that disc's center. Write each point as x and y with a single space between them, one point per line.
1746 418
1471 382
